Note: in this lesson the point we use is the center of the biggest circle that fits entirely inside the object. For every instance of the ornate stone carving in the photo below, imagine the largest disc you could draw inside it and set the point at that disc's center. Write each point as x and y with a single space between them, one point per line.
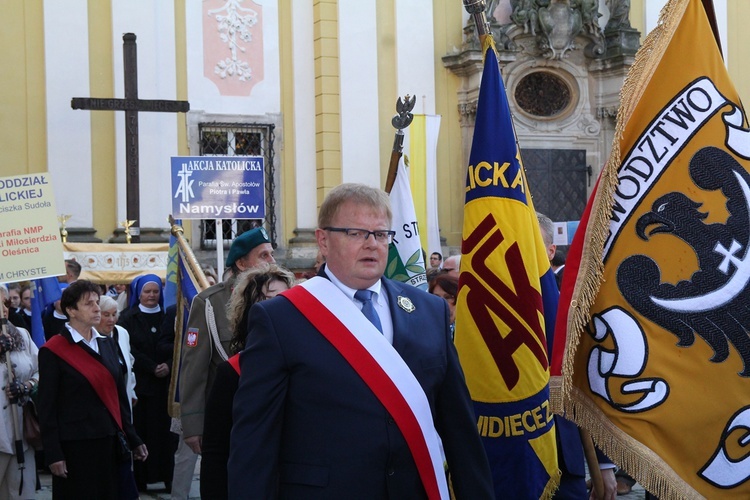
560 23
589 125
619 15
467 112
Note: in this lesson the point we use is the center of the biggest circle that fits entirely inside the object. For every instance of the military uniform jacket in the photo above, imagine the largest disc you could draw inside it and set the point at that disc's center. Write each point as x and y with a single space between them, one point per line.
200 356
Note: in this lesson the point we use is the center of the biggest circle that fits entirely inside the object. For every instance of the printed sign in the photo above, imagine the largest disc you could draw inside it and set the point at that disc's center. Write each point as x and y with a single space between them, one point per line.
218 187
30 243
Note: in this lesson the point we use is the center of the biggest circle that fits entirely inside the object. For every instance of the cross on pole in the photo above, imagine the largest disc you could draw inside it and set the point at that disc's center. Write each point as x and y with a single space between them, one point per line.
131 105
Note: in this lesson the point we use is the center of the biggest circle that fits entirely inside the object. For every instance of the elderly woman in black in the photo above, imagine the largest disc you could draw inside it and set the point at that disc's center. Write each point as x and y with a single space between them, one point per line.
83 405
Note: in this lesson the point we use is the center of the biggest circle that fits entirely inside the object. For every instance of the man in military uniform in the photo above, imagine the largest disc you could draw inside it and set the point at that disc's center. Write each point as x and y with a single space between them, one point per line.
206 341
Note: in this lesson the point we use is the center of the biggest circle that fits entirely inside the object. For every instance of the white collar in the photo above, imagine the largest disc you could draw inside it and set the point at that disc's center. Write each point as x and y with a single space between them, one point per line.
77 337
149 310
348 291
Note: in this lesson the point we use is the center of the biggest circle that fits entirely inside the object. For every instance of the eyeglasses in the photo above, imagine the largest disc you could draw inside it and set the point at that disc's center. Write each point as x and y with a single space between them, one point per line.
356 234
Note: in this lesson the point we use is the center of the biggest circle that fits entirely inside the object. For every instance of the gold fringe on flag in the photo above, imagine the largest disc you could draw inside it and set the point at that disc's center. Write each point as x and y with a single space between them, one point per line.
592 268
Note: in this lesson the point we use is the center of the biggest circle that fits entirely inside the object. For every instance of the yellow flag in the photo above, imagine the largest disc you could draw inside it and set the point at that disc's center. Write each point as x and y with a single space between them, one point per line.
657 361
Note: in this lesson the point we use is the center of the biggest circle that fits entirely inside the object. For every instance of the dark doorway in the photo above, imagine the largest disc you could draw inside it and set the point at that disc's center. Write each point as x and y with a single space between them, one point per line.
558 179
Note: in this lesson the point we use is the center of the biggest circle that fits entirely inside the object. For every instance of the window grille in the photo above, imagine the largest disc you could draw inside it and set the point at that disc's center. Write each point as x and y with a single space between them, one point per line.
240 139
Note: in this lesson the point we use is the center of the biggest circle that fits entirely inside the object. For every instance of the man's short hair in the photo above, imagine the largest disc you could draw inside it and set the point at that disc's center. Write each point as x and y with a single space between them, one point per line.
453 259
73 294
74 267
547 227
356 193
439 256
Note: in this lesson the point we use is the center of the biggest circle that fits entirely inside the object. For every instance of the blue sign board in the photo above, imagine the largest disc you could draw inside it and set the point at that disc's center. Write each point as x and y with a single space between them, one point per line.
218 187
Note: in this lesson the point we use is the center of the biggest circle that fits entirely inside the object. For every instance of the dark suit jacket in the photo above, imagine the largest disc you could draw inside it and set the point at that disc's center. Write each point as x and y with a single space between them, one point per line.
216 433
306 425
143 347
69 408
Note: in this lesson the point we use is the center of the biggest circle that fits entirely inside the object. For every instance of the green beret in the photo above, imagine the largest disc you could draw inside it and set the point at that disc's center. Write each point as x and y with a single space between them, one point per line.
244 243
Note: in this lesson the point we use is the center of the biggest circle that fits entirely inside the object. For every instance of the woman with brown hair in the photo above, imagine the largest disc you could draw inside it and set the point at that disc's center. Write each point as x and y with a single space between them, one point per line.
252 286
446 286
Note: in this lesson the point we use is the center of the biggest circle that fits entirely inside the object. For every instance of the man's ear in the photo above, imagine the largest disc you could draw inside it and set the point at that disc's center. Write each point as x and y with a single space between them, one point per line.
551 248
322 237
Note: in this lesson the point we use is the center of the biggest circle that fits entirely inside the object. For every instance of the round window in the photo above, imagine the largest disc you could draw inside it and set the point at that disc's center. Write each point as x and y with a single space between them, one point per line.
543 94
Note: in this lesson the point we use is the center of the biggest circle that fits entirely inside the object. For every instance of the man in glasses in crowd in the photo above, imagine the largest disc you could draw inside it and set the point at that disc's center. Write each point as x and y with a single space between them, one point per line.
350 385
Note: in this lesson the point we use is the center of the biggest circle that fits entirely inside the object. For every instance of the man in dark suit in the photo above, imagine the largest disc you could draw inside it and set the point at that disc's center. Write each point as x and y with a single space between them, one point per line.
312 421
570 456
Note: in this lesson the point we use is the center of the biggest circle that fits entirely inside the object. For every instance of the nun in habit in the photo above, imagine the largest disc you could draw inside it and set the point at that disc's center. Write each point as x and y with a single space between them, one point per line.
143 320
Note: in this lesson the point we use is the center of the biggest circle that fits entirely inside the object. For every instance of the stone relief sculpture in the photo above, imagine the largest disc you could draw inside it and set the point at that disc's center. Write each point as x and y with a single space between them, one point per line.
589 15
525 14
619 14
234 25
560 24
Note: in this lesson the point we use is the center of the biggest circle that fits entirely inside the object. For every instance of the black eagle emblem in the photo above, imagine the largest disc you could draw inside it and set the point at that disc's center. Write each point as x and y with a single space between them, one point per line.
715 302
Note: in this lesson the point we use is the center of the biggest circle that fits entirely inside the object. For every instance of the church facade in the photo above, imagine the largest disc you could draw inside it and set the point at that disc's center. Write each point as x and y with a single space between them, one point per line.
311 86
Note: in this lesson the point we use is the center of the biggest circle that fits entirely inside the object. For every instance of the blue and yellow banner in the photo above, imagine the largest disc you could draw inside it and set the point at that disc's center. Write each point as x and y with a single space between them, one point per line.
181 288
507 300
657 284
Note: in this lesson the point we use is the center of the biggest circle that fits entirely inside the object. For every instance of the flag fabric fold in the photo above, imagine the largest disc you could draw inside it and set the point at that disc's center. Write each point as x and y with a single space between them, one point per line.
182 285
422 152
405 257
652 337
506 303
45 292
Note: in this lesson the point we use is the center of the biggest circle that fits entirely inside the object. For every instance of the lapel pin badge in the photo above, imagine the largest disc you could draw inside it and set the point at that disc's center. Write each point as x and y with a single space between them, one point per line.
405 304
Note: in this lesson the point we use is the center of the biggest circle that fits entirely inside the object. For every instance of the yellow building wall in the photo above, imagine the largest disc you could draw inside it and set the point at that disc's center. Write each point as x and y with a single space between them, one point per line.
451 170
288 155
23 131
103 152
327 104
738 53
387 80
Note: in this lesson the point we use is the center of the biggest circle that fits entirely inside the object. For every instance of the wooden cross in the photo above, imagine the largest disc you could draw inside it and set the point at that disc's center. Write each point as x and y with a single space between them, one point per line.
131 105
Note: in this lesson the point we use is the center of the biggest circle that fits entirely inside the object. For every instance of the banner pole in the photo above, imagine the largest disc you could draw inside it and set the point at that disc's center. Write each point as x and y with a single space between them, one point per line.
400 121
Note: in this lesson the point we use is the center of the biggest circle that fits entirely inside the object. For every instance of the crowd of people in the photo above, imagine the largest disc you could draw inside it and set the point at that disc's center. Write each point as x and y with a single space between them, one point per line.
276 394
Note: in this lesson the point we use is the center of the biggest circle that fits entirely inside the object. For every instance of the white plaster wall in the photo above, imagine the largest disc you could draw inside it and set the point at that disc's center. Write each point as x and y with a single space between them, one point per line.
304 113
653 8
415 50
68 130
265 97
360 152
153 24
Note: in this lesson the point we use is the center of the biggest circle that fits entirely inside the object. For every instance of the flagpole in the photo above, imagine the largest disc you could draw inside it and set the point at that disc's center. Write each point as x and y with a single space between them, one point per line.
192 262
476 8
194 268
400 121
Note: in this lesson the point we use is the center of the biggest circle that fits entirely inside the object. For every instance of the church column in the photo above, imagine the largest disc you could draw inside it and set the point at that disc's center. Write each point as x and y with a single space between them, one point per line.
327 92
298 163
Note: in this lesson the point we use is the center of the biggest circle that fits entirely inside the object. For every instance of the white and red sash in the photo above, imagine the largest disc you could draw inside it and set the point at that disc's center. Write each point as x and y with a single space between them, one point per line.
381 368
